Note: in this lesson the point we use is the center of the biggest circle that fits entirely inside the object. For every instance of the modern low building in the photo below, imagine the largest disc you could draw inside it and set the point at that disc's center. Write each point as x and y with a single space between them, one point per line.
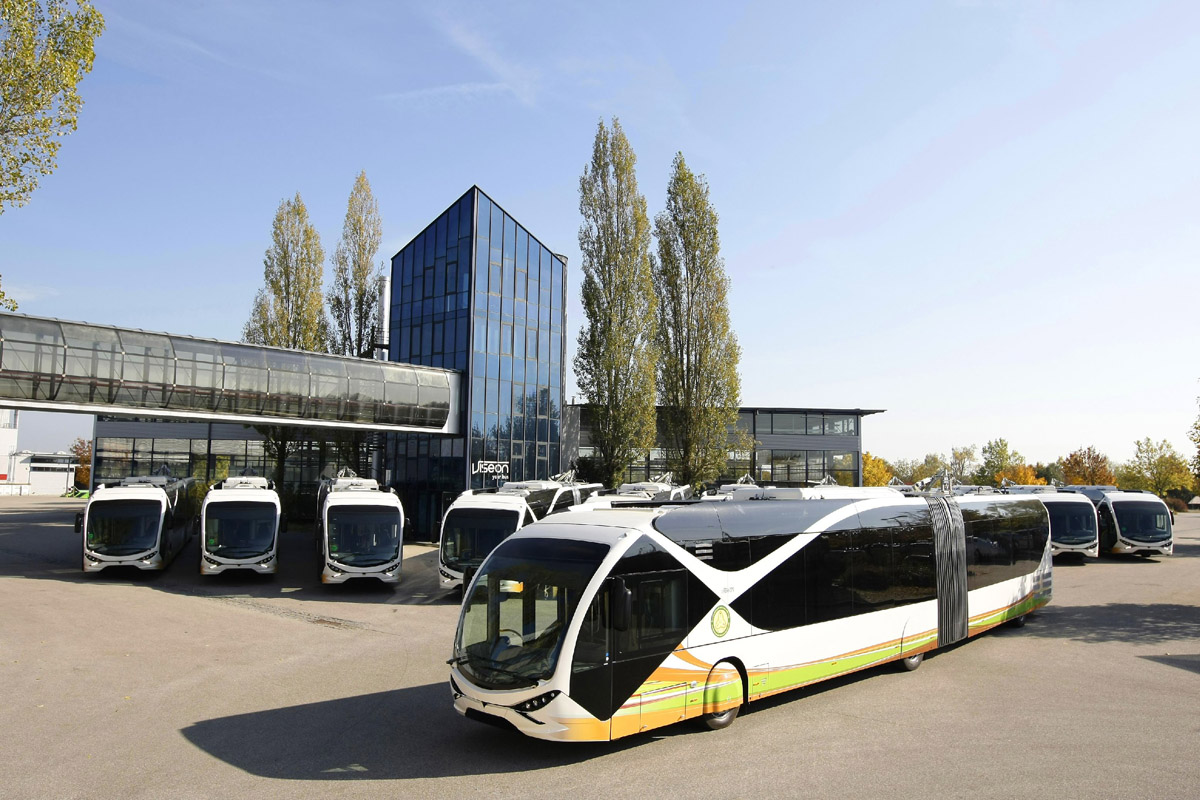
792 446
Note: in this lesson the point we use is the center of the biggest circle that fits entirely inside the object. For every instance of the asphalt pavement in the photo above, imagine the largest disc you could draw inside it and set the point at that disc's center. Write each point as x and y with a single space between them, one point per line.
122 685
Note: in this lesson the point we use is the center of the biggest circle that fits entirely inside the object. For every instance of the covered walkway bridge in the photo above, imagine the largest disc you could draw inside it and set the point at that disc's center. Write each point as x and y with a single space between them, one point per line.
55 365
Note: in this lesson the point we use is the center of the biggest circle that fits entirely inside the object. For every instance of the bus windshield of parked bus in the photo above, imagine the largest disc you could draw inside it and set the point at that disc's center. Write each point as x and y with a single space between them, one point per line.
469 534
1143 520
364 536
514 620
123 527
239 529
1071 523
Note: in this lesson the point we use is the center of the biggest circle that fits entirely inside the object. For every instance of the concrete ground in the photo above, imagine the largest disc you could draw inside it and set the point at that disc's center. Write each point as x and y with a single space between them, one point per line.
138 685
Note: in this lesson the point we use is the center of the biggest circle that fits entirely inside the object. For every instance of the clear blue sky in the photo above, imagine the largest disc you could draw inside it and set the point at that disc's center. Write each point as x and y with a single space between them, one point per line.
987 210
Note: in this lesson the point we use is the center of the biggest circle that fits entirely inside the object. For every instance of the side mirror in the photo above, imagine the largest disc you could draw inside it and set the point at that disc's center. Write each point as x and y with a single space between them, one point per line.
283 522
79 522
622 605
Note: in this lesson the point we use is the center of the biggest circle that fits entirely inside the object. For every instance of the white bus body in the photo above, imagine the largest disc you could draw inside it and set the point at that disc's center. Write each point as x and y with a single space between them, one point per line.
141 522
240 523
597 625
477 521
1073 523
361 530
1130 522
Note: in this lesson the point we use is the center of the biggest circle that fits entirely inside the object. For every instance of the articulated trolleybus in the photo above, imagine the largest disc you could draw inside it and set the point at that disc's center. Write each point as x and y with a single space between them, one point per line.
241 521
596 625
141 522
361 530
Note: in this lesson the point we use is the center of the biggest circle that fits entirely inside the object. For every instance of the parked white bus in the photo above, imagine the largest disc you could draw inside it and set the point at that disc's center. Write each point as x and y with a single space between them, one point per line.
141 522
241 521
1130 522
597 625
1073 528
361 528
477 521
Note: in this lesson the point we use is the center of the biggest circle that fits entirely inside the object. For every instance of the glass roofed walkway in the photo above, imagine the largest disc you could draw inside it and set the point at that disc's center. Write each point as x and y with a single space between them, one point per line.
54 365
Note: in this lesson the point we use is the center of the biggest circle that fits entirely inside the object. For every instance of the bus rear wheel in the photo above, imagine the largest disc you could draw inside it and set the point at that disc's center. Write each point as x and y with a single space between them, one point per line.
721 719
1017 622
912 662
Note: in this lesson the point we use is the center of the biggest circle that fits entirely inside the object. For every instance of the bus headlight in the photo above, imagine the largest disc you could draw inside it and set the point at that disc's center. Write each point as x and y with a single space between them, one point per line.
541 701
334 569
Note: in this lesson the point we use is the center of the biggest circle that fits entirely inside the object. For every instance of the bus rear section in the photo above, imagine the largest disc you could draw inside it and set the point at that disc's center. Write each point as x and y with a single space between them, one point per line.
141 522
598 625
362 530
240 521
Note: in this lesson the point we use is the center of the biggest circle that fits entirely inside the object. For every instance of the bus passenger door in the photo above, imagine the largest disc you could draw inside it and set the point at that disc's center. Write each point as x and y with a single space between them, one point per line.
591 668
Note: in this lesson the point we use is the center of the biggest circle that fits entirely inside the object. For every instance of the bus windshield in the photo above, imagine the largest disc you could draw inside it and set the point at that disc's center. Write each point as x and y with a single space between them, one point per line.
469 534
513 622
123 527
240 529
364 536
1143 521
1072 523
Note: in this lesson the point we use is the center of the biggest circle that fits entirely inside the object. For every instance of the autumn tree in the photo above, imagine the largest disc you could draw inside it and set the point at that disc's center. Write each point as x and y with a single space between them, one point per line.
962 459
1156 466
287 311
45 50
354 297
82 450
932 464
875 471
698 383
1021 474
615 356
1088 466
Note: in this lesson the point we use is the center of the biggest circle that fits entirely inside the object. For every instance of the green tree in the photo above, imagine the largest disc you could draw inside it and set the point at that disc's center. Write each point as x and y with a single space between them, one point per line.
287 311
1194 435
7 302
1088 466
1051 472
875 471
45 50
354 297
996 457
698 383
615 355
1155 466
930 466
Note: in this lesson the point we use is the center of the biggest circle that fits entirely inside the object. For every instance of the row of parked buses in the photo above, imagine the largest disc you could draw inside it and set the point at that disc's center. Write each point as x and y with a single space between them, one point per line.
145 522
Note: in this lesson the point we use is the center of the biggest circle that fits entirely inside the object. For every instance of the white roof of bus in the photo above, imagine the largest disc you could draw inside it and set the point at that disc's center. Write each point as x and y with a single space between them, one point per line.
598 525
1062 497
142 492
242 494
364 498
506 502
1124 497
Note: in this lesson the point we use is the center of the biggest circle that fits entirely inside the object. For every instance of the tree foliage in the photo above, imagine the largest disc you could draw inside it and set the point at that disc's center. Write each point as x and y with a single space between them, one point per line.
615 357
353 298
45 50
1022 474
1194 435
82 450
1156 466
6 302
287 311
996 457
875 471
1087 465
962 459
930 466
698 383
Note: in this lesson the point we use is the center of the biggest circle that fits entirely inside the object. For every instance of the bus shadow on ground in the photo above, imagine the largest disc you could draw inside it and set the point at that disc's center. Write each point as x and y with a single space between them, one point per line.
403 734
1134 623
1191 663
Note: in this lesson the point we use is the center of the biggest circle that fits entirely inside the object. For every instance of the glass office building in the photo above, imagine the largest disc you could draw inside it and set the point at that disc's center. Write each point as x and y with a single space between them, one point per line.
791 446
476 292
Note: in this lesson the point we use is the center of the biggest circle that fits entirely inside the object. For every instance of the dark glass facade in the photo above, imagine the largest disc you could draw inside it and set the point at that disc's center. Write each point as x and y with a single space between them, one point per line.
476 292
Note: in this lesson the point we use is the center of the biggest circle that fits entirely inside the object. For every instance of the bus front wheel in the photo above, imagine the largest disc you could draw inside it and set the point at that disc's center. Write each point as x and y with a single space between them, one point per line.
724 685
912 662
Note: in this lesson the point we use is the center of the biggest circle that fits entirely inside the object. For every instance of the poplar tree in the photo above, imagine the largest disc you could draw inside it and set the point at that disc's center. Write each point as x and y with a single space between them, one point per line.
615 355
45 50
698 383
354 297
288 310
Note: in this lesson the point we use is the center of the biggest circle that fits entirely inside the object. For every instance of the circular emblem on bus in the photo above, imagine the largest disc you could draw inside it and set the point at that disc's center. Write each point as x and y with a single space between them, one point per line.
720 621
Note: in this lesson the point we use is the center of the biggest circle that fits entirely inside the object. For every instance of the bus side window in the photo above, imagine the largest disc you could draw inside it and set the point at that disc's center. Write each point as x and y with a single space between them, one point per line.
591 648
659 614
